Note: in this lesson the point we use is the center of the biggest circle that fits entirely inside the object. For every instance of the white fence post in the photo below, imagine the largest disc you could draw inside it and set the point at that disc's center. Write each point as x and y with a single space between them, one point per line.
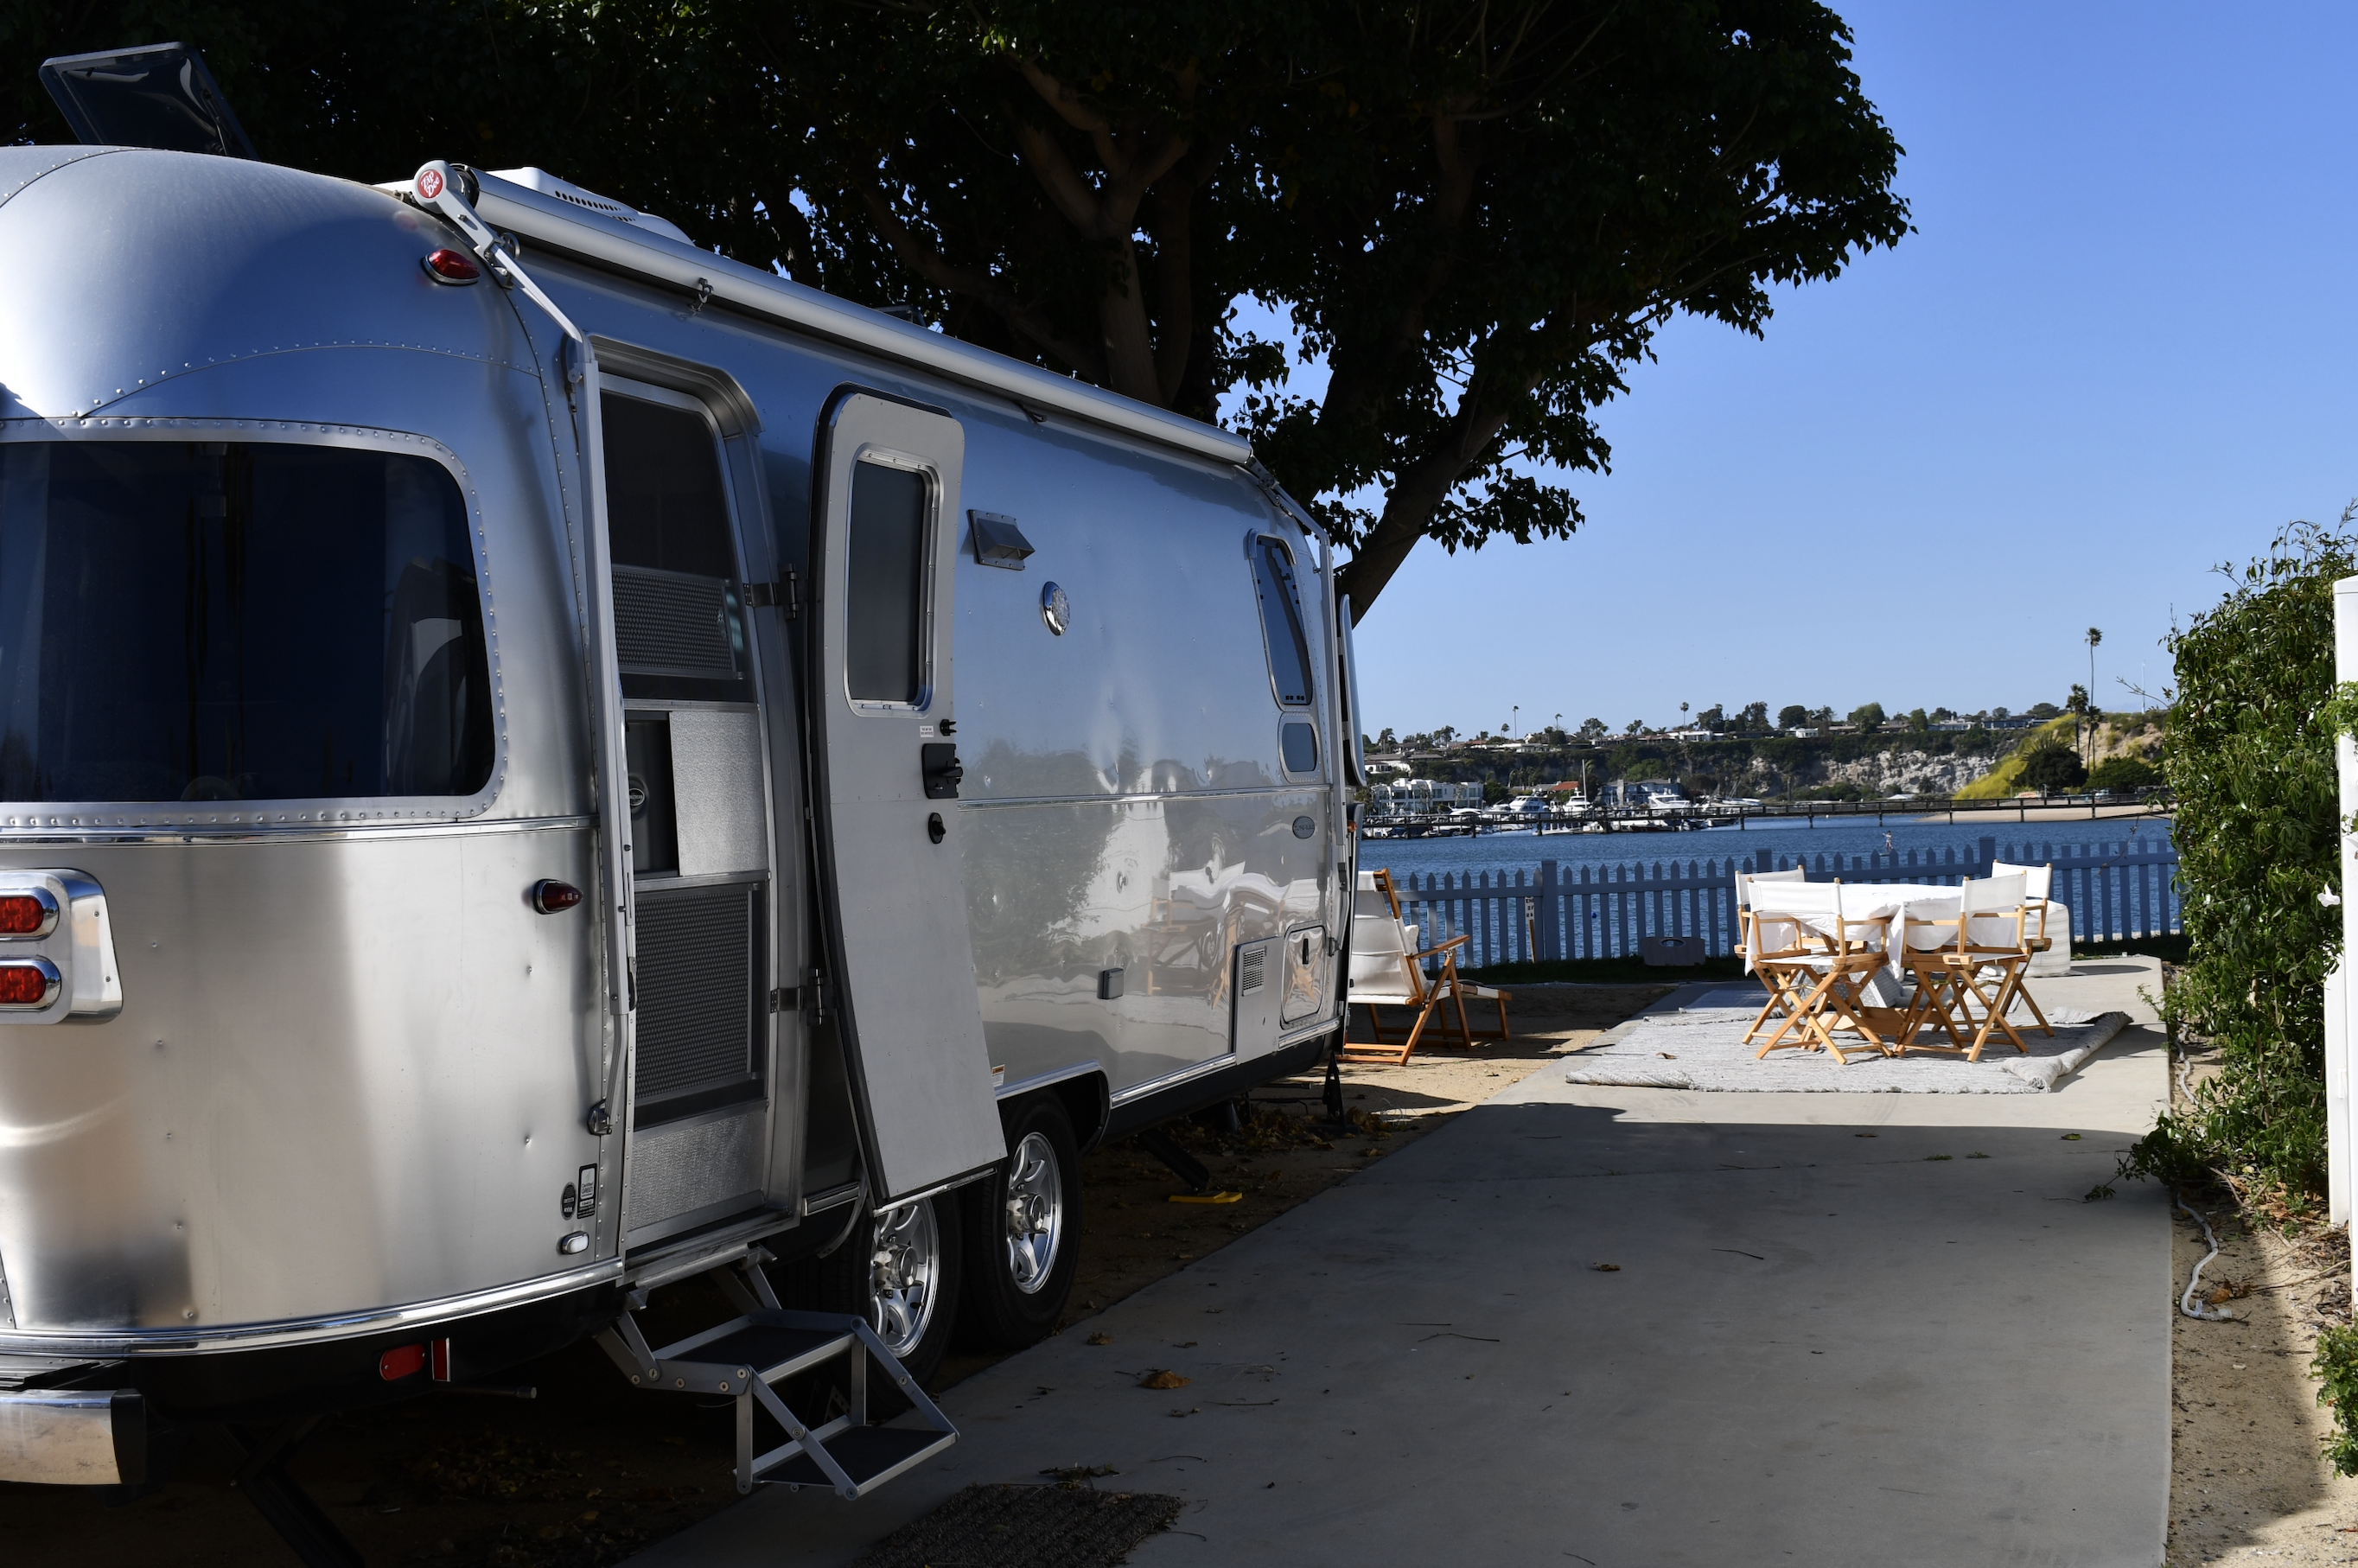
2337 987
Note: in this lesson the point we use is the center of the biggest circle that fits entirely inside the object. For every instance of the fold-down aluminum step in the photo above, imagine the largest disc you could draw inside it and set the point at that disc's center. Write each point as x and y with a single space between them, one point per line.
746 1357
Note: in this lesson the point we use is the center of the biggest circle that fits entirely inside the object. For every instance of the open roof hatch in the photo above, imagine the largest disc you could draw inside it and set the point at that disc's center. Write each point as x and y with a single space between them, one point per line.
160 95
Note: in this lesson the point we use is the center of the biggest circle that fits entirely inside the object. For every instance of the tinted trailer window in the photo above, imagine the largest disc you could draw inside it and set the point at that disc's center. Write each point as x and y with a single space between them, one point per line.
237 621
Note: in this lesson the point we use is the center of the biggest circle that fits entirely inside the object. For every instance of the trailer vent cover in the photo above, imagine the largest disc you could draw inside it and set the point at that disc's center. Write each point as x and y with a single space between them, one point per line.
1253 971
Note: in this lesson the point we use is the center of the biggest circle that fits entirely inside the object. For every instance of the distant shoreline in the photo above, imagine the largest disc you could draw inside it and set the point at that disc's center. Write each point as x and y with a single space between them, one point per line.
2063 813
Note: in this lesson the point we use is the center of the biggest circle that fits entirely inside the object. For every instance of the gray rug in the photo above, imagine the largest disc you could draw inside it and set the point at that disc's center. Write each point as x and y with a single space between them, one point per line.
1701 1046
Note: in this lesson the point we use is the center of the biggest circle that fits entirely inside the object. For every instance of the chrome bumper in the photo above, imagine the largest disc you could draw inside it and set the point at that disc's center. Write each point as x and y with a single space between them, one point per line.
74 1437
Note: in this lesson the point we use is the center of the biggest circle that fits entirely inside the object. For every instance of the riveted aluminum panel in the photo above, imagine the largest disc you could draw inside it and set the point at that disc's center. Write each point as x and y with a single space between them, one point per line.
347 1072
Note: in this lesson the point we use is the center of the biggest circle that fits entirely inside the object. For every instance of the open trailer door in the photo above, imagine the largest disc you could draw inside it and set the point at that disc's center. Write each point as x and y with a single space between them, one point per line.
900 968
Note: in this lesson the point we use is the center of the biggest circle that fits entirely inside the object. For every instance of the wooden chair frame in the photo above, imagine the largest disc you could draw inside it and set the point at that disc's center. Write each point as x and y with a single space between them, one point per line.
2040 878
1954 976
1425 995
1820 984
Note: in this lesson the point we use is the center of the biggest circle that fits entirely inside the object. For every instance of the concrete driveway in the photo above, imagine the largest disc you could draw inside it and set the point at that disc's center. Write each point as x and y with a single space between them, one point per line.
1819 1347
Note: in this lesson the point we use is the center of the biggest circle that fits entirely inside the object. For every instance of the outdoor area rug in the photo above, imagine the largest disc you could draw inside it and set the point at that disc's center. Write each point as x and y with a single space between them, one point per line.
1027 1527
1701 1046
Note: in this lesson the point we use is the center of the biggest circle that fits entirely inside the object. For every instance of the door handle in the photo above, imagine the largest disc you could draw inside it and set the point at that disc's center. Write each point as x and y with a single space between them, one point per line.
939 762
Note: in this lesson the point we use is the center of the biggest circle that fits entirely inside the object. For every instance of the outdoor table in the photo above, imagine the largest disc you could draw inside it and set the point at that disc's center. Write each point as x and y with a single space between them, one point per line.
1925 901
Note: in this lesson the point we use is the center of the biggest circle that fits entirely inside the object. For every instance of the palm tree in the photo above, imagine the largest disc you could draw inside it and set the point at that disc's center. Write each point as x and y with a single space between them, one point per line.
2095 637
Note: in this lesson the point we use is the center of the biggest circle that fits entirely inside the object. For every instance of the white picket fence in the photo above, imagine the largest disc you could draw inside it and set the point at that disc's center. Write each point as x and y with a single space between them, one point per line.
2115 891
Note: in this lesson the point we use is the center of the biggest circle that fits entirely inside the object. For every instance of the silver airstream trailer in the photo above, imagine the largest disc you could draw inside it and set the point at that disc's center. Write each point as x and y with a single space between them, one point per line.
536 761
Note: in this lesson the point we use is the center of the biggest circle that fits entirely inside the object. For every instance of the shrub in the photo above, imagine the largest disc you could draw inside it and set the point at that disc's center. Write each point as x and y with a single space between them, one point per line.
2053 766
2251 761
2335 1368
2124 773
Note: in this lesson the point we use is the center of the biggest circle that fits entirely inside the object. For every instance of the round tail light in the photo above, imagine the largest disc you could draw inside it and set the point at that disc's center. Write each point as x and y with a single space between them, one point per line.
549 897
451 267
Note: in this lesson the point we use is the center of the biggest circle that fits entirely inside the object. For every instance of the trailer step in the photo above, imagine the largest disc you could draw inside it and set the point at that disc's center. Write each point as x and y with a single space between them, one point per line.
869 1455
746 1357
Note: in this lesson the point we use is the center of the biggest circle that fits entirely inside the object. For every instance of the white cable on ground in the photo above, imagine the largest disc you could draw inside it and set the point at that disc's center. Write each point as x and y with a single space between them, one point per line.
2186 1303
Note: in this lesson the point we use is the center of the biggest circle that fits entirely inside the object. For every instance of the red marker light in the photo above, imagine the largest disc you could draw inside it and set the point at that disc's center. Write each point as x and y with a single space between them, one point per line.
27 982
451 267
25 913
549 897
401 1361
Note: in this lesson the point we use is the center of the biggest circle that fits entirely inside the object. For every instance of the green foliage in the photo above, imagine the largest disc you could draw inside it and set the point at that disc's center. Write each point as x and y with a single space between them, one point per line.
1868 718
2251 763
1476 216
1792 715
2124 773
1493 792
2335 1368
2006 779
2053 767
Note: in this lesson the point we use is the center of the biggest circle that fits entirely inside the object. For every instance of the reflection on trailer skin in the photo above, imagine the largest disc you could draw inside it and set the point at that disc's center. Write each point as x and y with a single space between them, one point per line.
369 1091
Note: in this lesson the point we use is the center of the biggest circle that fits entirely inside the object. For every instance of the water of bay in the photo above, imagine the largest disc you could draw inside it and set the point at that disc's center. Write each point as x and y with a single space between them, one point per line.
2030 843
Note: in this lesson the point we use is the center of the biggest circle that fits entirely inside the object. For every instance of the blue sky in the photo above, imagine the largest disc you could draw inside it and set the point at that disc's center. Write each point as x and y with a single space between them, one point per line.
2117 352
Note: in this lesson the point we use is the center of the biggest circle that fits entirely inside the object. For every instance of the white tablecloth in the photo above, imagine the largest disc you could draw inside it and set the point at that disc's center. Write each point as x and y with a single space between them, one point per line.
1814 905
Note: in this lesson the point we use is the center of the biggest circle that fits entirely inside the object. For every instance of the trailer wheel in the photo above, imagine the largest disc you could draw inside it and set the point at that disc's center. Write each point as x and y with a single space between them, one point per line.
1023 1231
902 1272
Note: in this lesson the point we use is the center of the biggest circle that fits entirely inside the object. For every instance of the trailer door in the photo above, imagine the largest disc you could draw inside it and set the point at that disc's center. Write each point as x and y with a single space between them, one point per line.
900 980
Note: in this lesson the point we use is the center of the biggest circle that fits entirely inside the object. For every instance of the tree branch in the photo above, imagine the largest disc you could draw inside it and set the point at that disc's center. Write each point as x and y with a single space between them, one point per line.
937 270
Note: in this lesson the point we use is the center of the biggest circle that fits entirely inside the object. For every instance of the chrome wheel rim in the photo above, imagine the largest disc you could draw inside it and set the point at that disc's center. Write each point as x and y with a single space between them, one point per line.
1035 1213
902 1270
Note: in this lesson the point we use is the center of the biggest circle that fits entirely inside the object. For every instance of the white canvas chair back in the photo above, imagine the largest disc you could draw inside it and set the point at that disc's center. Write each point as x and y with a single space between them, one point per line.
1380 947
1743 880
1776 908
1991 908
2036 879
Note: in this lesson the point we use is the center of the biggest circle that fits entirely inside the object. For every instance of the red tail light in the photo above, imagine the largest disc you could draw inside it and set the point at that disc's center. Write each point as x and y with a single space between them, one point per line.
548 897
452 267
28 982
26 913
401 1361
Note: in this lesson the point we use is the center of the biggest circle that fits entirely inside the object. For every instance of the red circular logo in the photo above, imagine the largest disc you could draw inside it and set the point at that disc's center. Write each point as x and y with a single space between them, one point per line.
429 183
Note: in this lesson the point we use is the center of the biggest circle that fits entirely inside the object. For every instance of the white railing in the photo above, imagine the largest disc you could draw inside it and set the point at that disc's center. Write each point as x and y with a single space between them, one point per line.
2115 892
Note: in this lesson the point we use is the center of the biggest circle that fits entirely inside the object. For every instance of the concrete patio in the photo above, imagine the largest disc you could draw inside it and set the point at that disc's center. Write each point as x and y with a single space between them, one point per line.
1824 1343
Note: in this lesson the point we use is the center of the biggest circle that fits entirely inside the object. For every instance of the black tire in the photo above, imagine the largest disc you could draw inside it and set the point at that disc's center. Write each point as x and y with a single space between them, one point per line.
1001 1311
852 1280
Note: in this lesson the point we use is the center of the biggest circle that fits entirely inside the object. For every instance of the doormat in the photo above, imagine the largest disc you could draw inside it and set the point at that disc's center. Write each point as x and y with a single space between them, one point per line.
1701 1046
1027 1527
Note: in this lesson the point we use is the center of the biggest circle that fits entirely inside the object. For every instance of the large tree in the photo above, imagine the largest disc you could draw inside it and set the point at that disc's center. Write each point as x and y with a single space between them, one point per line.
1475 216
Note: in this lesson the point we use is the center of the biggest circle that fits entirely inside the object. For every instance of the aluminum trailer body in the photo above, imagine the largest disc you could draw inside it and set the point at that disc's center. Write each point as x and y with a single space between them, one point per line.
926 739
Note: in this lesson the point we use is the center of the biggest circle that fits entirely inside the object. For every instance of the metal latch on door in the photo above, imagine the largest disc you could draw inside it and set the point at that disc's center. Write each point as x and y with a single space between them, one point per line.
939 762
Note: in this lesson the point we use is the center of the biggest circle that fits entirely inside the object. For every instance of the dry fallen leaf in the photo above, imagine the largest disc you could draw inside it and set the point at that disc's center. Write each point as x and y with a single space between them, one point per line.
1606 1268
1163 1378
1100 1339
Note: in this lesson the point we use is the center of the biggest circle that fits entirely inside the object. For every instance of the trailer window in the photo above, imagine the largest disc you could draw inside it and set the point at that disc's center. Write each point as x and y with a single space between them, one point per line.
884 586
1281 621
237 621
